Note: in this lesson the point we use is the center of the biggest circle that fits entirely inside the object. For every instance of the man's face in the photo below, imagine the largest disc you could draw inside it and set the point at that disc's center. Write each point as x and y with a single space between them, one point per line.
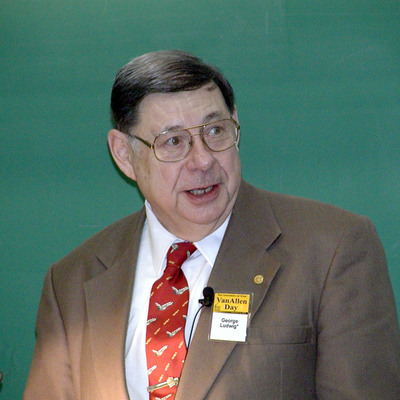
191 197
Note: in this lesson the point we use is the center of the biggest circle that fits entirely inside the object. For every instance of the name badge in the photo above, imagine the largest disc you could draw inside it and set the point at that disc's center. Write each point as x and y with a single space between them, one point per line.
230 317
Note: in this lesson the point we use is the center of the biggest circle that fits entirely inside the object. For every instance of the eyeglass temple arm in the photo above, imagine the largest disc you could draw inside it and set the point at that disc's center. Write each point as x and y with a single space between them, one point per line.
143 141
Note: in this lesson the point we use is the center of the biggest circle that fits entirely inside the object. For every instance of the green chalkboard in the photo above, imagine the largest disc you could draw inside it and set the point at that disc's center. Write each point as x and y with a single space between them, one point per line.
318 94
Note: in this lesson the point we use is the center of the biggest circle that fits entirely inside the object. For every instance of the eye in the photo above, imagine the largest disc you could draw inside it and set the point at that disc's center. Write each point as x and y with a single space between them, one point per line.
215 130
174 141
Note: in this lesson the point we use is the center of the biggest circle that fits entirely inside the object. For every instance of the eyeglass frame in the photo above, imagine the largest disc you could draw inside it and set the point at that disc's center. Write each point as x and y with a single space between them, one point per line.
201 134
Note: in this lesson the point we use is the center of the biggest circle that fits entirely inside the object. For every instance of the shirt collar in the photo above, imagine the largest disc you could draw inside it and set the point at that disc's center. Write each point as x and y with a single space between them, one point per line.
160 240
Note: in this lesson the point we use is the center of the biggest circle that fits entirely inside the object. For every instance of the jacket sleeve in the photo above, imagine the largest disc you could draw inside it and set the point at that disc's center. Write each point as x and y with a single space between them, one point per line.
358 332
50 373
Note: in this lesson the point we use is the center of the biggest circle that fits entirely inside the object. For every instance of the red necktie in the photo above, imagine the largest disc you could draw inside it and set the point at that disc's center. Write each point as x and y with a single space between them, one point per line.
165 337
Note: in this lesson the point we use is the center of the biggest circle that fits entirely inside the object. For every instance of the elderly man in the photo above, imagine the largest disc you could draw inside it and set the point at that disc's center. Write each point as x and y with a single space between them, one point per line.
303 304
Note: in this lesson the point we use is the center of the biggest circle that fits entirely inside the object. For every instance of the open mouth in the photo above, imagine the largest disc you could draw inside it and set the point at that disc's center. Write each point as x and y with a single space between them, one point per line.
199 192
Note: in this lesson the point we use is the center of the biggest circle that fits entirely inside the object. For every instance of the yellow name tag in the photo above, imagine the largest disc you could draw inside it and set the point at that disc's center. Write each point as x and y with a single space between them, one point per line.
231 303
230 316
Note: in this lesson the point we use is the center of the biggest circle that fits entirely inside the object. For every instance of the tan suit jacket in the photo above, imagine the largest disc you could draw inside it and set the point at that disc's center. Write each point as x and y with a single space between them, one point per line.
323 321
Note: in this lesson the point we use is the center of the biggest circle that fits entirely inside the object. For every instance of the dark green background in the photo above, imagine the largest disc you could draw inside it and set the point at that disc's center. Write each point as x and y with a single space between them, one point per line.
318 93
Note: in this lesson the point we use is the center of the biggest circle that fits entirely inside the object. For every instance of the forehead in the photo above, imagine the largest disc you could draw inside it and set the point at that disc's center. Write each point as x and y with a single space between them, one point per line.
164 111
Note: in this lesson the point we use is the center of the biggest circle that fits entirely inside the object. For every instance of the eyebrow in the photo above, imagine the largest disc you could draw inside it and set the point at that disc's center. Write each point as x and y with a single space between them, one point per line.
208 118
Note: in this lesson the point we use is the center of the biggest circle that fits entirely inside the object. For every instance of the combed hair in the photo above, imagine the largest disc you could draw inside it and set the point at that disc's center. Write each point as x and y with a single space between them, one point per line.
161 72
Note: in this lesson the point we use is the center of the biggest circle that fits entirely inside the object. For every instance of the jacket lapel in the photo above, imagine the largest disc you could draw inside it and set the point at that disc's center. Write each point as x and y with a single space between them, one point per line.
243 256
108 302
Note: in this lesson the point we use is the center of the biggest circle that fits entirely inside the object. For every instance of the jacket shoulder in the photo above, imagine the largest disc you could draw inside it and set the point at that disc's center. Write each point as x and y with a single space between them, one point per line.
105 245
298 212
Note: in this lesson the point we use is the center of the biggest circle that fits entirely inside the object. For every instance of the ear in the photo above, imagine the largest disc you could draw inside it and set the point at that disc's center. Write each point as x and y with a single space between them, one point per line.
234 114
235 117
122 152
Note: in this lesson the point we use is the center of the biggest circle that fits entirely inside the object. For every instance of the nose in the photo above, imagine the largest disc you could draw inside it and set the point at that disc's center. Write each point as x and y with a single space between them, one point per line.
200 156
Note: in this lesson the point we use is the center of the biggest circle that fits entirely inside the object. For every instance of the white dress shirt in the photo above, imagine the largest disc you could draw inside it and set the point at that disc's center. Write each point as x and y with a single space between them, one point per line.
155 242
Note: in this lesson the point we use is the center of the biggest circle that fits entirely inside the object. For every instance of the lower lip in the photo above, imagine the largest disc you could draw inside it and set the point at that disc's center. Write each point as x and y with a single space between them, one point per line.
206 196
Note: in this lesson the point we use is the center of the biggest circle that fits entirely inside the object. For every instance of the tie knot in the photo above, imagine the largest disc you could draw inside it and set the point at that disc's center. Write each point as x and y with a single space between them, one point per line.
178 253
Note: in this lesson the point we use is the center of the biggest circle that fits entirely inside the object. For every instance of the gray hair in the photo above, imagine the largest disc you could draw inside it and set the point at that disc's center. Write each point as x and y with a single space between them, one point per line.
161 72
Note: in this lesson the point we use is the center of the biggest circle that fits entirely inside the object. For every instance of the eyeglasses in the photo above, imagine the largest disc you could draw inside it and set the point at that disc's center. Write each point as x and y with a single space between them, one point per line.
174 145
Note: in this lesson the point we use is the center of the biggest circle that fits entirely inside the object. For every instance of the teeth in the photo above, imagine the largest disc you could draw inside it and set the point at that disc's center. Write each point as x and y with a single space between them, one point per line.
198 192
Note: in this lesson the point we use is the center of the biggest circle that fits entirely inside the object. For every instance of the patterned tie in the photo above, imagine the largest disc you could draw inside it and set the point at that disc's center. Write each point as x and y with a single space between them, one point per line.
165 337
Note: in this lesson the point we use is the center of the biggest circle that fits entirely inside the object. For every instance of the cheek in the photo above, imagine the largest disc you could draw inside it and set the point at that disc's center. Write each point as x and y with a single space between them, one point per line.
144 174
164 178
146 169
231 167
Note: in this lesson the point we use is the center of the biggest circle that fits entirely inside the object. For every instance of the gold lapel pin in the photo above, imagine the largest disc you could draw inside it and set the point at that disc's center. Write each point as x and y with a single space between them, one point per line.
258 279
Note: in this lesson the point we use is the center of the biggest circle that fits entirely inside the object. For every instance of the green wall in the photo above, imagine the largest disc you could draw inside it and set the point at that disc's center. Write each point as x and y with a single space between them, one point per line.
318 92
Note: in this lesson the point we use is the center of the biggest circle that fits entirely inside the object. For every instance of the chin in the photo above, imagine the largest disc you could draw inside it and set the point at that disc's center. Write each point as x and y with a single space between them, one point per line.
204 218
